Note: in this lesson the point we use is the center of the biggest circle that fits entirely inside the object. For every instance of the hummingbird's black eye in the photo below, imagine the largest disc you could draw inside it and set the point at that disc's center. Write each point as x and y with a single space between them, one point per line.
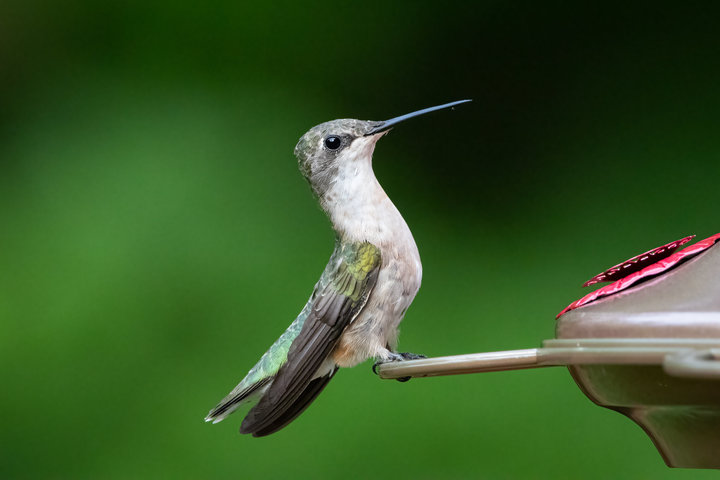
332 142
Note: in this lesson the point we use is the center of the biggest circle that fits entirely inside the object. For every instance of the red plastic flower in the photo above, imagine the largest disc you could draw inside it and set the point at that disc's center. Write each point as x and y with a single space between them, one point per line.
641 267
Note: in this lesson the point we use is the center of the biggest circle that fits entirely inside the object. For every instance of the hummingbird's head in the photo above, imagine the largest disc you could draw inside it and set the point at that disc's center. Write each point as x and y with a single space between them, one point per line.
331 147
340 149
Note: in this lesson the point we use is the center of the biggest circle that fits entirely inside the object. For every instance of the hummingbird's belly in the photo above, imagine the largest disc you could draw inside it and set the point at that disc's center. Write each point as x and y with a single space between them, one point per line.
373 334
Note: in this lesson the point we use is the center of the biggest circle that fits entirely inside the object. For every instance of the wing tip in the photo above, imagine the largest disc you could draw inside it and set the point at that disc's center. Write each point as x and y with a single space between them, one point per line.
235 399
223 410
214 418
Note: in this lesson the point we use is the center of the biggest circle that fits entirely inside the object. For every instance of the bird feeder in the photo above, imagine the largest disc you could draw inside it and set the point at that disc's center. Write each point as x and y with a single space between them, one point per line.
647 346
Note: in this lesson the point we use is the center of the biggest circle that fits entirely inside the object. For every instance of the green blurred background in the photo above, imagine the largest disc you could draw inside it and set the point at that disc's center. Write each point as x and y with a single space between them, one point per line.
156 235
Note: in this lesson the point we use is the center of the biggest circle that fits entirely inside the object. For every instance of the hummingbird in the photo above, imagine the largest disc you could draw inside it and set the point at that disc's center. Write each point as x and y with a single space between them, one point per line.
356 307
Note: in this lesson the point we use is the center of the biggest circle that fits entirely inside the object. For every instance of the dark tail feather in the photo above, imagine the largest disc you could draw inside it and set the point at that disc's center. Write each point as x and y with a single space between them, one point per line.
292 411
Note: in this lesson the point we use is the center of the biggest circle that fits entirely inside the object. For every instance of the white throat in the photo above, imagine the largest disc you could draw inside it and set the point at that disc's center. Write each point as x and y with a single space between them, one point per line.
357 205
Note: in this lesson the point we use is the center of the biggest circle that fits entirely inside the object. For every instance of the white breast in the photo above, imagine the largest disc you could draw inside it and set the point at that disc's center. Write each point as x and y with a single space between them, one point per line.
361 211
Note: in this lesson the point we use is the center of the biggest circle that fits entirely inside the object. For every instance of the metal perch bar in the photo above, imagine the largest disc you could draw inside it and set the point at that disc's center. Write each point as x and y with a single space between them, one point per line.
460 364
698 359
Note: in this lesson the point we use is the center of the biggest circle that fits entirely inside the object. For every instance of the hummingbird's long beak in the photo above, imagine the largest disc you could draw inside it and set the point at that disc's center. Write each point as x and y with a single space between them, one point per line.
393 121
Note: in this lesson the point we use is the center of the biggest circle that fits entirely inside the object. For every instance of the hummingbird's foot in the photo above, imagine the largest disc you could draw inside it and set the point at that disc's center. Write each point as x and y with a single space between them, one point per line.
397 357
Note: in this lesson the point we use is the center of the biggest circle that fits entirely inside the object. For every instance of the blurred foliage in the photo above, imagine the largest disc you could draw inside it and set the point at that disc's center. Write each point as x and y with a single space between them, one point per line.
156 236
